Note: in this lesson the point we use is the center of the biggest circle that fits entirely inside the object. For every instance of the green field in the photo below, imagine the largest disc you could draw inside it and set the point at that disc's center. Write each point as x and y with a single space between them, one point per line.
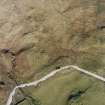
67 88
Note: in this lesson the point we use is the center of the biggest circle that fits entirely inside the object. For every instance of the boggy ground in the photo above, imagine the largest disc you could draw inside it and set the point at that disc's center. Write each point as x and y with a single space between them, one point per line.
38 36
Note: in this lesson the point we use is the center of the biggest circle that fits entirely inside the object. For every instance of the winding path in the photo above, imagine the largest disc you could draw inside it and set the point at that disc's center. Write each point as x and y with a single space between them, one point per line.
35 83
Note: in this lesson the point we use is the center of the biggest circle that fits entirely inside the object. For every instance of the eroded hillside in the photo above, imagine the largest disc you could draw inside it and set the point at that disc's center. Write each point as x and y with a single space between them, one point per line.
38 36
